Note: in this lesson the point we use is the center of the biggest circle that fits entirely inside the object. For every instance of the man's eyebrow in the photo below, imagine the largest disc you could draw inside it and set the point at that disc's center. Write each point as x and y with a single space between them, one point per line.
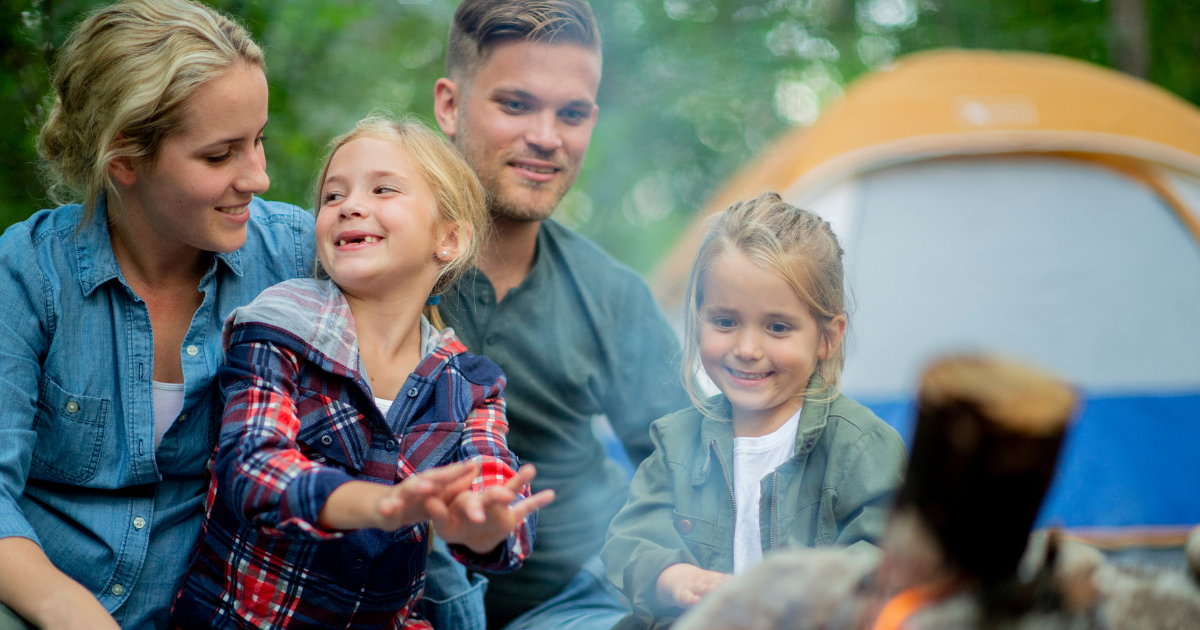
516 93
230 140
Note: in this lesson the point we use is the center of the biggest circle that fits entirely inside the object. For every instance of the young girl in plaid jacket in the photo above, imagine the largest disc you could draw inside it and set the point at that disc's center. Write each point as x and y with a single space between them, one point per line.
351 421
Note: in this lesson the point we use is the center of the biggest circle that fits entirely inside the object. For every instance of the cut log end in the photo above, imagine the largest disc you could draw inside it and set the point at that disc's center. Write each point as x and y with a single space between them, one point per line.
1016 397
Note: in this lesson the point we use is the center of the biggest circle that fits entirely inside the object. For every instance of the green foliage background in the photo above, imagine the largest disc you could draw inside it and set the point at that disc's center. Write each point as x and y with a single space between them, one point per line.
692 89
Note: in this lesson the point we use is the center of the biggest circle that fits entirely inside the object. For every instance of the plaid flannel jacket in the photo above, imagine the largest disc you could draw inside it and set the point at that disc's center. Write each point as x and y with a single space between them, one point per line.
300 420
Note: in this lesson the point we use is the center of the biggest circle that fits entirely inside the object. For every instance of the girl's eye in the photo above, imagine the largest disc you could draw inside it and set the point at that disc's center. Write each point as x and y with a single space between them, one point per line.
381 190
723 322
330 197
778 328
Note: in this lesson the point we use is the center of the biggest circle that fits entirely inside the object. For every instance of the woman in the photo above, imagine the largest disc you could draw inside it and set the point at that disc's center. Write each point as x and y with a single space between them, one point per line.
112 330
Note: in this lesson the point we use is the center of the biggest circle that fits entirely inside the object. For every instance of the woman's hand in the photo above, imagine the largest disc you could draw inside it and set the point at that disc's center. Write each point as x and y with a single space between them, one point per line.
35 589
361 504
480 521
684 585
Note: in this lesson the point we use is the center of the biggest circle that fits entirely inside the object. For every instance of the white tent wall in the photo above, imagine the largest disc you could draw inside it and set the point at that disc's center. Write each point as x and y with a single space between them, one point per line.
1058 261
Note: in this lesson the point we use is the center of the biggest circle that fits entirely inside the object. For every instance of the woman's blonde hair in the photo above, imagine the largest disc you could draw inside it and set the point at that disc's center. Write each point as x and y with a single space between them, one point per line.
456 190
121 84
796 244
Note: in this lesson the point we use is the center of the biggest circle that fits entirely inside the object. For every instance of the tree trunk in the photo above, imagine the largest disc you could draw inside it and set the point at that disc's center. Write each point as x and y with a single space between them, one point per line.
1129 45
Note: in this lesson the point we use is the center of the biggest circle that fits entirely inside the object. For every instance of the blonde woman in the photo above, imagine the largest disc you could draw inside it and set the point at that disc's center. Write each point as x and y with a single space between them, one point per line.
111 335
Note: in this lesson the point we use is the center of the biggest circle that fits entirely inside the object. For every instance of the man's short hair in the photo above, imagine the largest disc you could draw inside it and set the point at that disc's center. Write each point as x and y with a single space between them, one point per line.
481 25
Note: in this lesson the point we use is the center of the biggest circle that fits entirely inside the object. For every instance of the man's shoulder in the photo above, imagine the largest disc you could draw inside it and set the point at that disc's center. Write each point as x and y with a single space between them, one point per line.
591 263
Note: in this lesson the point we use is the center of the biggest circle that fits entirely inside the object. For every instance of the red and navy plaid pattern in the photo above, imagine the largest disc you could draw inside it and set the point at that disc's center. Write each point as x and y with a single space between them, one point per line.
298 424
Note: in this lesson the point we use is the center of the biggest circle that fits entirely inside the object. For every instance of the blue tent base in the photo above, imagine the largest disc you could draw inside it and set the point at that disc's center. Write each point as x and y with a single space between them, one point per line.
1127 461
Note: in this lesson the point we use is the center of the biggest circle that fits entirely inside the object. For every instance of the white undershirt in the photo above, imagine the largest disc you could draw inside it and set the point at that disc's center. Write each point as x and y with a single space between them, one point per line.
168 402
384 406
753 459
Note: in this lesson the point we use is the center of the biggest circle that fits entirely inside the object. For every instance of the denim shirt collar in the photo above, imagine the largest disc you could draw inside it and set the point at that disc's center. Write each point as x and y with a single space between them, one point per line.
98 263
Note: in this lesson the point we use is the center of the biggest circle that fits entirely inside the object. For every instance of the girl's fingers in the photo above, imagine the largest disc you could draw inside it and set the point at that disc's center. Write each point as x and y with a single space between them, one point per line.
526 474
457 486
472 506
529 505
435 508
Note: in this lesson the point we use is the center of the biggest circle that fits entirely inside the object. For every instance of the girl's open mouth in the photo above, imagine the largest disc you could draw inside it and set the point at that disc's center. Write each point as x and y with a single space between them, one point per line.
747 378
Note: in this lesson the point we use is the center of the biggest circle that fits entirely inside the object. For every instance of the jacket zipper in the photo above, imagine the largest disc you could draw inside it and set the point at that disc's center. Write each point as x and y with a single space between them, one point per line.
728 484
774 506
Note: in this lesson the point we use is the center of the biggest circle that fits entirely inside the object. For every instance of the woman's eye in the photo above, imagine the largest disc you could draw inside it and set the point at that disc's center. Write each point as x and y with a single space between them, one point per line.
217 159
259 140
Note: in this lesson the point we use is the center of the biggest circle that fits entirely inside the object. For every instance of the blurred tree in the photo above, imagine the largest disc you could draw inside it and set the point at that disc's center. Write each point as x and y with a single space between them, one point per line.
692 89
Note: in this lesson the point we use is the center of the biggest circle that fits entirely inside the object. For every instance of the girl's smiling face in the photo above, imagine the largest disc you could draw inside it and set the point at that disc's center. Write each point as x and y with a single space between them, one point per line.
759 343
377 222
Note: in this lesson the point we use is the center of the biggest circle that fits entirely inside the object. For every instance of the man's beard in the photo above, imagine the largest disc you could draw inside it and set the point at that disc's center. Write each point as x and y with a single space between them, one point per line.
491 173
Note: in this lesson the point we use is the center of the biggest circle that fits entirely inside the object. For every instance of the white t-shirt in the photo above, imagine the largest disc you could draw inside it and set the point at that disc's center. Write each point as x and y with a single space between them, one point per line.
753 459
168 402
384 406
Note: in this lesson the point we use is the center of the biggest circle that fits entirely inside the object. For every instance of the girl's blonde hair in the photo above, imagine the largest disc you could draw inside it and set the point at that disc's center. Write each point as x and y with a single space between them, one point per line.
456 189
121 84
796 244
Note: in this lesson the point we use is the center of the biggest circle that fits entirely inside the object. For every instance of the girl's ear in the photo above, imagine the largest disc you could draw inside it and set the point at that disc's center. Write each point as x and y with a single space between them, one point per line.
834 331
454 237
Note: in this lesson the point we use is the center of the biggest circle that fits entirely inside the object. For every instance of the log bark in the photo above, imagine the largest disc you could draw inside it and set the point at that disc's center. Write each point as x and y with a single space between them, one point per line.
986 445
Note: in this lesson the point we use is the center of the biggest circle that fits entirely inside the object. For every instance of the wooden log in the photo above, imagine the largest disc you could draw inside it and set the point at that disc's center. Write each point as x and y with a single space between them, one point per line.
987 441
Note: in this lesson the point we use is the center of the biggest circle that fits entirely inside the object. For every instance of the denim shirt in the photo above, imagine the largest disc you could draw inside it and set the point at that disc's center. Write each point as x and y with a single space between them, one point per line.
79 473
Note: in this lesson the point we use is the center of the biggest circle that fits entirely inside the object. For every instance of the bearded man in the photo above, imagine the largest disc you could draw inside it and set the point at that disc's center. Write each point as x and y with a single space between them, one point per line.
577 333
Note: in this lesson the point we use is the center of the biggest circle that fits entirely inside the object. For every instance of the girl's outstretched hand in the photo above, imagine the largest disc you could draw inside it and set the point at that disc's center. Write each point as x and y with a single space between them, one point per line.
480 521
685 584
361 504
419 497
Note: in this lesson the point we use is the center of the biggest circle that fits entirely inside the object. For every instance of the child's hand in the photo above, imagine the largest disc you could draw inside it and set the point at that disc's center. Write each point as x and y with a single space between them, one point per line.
480 521
360 504
684 584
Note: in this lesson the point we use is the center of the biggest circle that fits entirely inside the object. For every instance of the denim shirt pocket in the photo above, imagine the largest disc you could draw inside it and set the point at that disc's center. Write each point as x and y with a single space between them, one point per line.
70 434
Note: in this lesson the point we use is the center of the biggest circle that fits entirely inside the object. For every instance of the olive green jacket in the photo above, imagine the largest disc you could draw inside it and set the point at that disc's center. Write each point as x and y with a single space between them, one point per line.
835 490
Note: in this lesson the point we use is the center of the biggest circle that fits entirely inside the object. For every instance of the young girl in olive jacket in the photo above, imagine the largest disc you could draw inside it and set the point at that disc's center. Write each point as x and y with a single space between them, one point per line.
780 457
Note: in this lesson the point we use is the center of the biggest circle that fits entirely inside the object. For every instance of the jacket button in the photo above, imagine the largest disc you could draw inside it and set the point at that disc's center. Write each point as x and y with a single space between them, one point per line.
412 392
326 440
359 564
391 445
685 526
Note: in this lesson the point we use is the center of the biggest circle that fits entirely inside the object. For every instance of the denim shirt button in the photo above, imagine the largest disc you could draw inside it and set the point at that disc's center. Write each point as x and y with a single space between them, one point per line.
193 351
139 523
72 407
326 440
118 590
412 392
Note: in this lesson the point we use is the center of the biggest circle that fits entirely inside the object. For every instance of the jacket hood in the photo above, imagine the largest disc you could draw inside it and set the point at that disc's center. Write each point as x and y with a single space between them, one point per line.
316 316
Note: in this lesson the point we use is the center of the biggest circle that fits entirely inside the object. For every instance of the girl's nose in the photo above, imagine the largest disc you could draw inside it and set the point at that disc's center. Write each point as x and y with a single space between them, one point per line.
748 346
353 206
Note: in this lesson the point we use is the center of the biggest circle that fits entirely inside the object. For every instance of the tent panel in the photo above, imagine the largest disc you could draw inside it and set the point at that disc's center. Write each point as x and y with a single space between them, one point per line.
1066 264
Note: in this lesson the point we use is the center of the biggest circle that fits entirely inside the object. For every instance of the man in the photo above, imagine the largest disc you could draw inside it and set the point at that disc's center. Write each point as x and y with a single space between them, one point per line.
577 333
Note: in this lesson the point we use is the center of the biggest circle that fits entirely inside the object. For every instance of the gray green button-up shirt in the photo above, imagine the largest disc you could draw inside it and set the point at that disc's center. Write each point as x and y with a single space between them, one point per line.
581 336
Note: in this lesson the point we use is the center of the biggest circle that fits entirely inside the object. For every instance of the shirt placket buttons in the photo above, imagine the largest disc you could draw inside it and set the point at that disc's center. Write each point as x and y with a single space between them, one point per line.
139 523
193 351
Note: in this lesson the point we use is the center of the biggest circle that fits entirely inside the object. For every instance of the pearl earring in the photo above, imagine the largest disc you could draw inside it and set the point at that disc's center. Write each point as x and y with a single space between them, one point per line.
444 253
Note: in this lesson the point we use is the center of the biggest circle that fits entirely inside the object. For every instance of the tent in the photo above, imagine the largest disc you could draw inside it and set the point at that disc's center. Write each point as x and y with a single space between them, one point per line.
1026 204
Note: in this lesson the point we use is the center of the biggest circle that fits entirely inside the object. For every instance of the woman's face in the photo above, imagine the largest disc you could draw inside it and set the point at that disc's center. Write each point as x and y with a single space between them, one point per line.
197 190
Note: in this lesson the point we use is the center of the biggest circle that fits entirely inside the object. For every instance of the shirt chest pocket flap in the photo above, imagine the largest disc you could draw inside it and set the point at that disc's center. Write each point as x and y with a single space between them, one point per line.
70 434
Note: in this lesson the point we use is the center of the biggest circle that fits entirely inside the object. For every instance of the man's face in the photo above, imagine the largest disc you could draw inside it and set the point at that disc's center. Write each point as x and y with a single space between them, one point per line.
524 124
